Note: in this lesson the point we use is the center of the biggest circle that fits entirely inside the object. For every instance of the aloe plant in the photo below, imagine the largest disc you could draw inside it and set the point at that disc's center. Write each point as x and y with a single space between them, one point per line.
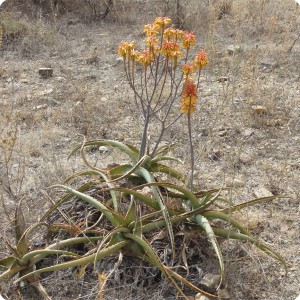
199 210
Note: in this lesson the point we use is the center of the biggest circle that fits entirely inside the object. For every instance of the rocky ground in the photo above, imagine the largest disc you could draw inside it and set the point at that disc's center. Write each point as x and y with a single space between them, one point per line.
246 131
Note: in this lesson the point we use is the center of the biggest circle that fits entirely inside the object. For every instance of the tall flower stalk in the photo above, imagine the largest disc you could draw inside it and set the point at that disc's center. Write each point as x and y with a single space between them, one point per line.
158 83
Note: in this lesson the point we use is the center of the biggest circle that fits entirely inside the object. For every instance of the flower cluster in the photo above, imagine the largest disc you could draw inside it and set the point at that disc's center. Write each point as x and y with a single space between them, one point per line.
189 98
167 45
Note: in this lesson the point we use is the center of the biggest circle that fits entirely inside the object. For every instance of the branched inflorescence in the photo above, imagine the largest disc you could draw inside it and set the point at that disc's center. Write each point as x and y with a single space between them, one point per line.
161 74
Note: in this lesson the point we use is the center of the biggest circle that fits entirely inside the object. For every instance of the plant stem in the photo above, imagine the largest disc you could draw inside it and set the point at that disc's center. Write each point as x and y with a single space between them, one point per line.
191 150
144 136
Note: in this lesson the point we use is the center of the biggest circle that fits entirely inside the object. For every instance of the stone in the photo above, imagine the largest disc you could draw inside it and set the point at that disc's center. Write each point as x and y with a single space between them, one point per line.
262 192
103 149
201 297
248 132
233 49
259 109
222 79
238 183
42 106
223 294
222 133
46 72
245 158
45 92
210 281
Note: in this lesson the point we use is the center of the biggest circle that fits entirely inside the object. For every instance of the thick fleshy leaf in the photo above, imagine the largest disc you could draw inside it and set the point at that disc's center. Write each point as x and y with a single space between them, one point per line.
249 203
85 187
153 258
112 215
80 261
7 262
226 233
159 198
124 148
160 168
203 222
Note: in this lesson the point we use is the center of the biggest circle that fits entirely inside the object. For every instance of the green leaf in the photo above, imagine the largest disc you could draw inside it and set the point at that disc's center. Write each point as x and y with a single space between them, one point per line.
203 222
249 203
159 198
226 233
159 168
115 218
154 259
7 262
85 187
124 148
156 159
78 262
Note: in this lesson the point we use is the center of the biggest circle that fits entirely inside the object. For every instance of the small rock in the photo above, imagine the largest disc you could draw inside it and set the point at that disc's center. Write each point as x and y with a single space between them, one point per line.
259 109
42 106
103 149
248 132
275 122
245 158
46 72
237 183
262 192
233 49
222 133
45 92
201 297
210 281
222 79
223 294
53 102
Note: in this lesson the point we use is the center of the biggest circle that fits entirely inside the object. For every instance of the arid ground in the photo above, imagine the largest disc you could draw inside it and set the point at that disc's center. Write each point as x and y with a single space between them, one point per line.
246 130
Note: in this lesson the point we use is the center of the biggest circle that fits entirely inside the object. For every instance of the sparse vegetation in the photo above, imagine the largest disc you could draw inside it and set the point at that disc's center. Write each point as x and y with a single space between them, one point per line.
245 136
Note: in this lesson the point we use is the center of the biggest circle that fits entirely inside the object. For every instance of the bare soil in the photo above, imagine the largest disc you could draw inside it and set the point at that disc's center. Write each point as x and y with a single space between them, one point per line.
257 153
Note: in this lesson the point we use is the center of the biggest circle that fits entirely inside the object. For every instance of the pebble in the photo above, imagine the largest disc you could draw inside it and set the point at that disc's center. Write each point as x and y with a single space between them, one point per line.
210 281
233 49
248 132
201 297
238 183
222 79
103 149
261 192
223 294
42 106
259 109
245 158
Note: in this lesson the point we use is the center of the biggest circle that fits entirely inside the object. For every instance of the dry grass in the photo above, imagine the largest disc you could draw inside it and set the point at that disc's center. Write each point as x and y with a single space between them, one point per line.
232 140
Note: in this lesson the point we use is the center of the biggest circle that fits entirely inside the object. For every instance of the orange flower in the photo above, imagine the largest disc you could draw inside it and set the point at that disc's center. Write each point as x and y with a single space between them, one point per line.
162 22
188 69
189 39
145 58
151 29
201 59
172 33
189 99
125 49
170 49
